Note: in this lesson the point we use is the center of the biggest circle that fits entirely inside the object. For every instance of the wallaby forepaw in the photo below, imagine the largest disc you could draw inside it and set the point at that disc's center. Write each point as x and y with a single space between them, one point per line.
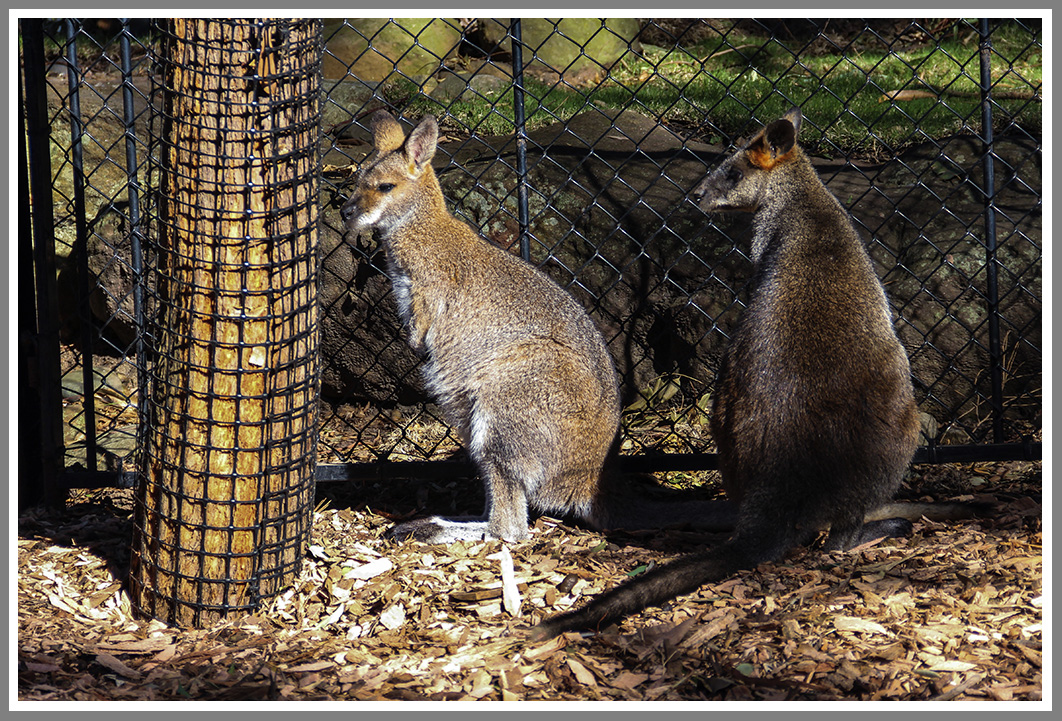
885 528
436 529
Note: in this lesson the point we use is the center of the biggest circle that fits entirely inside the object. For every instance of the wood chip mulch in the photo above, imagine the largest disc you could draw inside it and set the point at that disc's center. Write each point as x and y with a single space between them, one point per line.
954 612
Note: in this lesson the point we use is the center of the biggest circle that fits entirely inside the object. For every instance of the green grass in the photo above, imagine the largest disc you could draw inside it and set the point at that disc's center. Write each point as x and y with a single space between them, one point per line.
730 86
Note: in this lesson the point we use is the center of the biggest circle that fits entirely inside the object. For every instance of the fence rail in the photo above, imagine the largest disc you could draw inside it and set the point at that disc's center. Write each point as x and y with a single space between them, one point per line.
574 144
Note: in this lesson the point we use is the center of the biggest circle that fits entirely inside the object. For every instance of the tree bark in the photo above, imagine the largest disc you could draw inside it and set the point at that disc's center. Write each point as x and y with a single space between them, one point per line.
226 471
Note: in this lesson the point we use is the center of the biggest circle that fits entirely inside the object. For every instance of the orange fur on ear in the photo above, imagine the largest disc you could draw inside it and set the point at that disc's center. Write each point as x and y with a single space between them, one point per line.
760 156
773 144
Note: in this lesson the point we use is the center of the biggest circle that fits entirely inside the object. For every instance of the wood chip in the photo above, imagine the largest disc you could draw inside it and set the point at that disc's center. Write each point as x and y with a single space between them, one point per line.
108 661
510 593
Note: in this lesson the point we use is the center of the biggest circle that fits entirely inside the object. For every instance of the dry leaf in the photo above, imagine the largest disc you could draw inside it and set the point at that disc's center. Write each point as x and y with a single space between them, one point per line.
902 95
372 569
310 667
942 664
135 645
547 648
108 661
41 667
627 680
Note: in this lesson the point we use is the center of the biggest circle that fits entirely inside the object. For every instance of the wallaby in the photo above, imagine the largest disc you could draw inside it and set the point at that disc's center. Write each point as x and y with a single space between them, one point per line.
813 416
521 372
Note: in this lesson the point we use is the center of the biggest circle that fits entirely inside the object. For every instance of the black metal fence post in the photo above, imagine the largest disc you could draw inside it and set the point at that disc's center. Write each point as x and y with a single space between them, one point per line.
46 368
77 130
29 401
991 260
135 228
521 139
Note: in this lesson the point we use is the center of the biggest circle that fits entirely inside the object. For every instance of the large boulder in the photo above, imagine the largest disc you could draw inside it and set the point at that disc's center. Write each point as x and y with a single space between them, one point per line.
364 355
568 47
413 46
104 194
927 212
105 172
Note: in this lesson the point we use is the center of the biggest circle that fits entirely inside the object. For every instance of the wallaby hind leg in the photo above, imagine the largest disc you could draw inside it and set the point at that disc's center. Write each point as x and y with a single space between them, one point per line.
507 501
507 473
505 518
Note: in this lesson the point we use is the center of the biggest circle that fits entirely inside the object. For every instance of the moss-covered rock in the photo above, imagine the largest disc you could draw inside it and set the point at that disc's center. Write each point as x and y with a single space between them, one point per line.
567 46
413 46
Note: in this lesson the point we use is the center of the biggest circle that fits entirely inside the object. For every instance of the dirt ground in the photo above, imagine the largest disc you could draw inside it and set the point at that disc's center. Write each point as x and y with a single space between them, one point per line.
951 613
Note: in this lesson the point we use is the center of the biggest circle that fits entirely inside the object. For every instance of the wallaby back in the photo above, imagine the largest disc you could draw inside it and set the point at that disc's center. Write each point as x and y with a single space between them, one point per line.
813 414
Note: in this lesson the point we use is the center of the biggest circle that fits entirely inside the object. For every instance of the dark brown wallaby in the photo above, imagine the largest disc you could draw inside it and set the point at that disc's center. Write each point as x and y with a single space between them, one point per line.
814 415
524 377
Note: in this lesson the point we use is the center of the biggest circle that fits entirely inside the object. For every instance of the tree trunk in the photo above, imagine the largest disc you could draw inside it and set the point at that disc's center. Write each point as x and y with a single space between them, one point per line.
227 462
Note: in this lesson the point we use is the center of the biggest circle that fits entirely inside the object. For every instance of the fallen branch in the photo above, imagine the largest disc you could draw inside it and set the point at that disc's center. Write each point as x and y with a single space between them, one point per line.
932 92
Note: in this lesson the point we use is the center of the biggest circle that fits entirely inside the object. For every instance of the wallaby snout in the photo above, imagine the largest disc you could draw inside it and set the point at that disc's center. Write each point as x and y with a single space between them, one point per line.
349 211
710 193
356 216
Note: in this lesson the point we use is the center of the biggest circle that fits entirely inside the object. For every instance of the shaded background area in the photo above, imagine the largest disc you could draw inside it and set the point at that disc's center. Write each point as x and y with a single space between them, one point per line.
620 119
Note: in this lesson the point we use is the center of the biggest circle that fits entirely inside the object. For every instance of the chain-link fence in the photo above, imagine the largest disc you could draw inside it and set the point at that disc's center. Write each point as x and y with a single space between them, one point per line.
575 143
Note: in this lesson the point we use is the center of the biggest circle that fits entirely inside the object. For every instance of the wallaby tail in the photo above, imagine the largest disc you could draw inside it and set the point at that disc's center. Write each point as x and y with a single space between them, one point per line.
682 576
631 512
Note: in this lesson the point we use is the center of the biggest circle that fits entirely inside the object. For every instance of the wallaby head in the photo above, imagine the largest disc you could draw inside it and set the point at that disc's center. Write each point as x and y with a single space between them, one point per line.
739 183
396 179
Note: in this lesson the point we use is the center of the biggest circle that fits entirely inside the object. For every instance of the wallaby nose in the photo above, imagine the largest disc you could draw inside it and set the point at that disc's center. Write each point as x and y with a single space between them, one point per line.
347 211
697 194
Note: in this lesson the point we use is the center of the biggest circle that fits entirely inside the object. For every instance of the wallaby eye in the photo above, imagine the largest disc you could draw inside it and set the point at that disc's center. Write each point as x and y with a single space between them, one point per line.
734 175
385 187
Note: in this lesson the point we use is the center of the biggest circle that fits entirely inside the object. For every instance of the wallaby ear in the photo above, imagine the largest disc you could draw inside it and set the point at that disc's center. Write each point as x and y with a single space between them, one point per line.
421 144
387 133
781 137
796 118
773 143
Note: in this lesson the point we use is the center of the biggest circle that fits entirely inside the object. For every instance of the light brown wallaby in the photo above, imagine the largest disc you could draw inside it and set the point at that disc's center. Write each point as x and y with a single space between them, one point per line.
813 414
520 370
